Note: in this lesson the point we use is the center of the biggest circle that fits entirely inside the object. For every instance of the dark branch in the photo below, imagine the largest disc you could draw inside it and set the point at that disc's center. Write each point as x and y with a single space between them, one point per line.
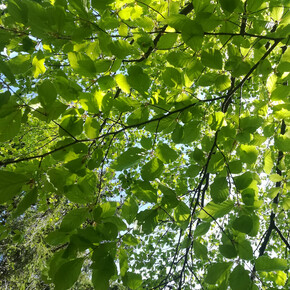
282 237
230 94
187 9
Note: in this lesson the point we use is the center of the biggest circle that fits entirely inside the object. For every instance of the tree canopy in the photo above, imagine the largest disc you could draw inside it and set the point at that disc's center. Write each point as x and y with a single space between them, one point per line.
144 144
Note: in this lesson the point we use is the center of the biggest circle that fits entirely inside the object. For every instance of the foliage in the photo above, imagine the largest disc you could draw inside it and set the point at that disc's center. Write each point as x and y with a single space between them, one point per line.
144 144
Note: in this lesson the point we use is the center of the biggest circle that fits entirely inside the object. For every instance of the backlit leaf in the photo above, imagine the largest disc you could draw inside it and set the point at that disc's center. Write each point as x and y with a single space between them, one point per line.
213 210
216 272
165 153
212 59
38 66
267 264
240 279
68 274
128 159
152 169
132 280
10 184
243 224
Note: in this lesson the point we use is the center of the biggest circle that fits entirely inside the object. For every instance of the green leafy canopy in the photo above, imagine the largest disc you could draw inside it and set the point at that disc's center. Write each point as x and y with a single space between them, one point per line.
144 144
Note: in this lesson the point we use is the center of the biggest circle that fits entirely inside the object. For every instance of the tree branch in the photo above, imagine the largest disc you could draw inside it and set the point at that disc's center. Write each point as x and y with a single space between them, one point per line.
272 225
228 97
282 237
187 9
6 162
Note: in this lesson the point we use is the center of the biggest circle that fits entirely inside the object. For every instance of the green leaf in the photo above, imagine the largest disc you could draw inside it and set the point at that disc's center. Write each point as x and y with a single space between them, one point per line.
83 64
130 209
84 191
169 196
276 177
248 153
192 170
216 163
130 240
172 77
6 70
57 237
123 83
251 124
191 132
236 166
29 199
105 101
92 128
10 125
126 104
282 143
213 210
280 93
101 4
165 153
20 63
152 169
202 229
146 143
138 80
245 250
138 116
223 82
128 159
200 5
105 210
101 66
268 162
132 280
10 184
103 267
177 21
101 277
143 190
267 264
244 180
167 40
284 65
280 278
212 59
254 5
182 214
229 5
120 48
123 262
179 59
200 250
74 219
147 219
71 125
47 93
228 250
256 226
276 13
38 66
192 34
216 272
75 194
68 274
243 224
240 279
248 196
106 82
219 190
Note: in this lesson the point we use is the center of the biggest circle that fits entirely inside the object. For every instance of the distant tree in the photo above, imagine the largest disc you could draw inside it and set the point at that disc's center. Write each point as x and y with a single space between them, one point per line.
144 144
